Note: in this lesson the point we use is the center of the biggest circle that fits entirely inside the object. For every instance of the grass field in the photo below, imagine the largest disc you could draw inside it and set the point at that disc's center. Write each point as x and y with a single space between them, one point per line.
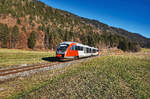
125 76
10 57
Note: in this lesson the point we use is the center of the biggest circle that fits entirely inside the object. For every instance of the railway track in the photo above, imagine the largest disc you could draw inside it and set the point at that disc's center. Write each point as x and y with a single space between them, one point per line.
5 72
11 73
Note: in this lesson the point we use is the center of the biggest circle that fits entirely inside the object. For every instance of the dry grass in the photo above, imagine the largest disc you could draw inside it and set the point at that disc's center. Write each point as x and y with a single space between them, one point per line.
10 57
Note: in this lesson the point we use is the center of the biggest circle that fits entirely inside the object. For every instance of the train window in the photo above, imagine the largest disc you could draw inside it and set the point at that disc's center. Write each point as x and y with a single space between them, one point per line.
81 48
76 47
94 50
88 50
62 47
73 47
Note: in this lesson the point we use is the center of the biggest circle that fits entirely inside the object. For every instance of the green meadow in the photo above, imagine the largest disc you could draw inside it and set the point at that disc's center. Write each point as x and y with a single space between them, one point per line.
124 76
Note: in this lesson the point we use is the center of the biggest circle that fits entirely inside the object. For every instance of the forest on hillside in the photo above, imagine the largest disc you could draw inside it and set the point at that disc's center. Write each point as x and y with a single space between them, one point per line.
38 26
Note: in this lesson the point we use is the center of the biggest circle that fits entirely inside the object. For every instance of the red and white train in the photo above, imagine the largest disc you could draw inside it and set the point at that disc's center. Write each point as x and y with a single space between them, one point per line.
74 50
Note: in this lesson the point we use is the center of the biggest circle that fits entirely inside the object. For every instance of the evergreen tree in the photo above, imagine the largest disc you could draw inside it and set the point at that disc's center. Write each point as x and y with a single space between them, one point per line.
18 21
14 36
32 40
4 31
24 29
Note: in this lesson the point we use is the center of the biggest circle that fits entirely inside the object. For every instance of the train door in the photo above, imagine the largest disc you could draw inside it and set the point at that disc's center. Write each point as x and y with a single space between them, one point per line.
72 52
80 51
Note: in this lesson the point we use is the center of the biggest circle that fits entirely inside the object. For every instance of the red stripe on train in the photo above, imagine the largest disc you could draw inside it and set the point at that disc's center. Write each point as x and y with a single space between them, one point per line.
71 52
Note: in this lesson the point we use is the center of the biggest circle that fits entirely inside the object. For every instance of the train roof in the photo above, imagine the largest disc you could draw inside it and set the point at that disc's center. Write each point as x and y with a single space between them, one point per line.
67 42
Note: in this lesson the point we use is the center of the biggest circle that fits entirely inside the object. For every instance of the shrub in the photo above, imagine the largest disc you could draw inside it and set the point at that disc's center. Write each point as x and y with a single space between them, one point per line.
134 47
123 45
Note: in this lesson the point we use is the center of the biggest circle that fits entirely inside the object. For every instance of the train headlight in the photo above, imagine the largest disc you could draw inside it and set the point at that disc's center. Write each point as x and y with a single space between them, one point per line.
58 55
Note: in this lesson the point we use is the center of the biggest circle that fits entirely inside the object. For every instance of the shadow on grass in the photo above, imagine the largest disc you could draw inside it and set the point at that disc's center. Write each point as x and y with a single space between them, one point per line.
55 59
51 59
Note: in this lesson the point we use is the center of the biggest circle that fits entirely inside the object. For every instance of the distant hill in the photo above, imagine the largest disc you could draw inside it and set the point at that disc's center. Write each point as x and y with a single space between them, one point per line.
134 37
32 24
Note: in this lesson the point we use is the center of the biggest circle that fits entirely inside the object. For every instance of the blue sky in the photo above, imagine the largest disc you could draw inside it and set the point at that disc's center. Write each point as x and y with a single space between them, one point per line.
132 15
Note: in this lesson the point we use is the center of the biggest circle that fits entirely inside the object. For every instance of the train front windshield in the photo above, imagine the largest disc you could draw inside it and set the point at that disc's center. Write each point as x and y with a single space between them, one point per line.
62 47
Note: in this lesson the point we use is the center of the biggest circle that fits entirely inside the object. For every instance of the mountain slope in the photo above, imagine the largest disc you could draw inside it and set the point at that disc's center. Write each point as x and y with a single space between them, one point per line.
32 24
134 37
